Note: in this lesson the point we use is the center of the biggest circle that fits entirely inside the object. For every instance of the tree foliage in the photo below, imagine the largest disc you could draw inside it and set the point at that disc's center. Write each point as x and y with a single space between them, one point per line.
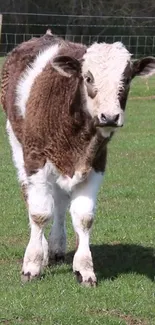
82 7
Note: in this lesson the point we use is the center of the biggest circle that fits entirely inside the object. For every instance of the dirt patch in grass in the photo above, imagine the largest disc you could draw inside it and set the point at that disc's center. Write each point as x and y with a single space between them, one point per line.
19 320
142 98
129 319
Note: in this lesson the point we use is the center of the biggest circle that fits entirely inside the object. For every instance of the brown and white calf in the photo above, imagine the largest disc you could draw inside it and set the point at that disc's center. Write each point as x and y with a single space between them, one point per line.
63 102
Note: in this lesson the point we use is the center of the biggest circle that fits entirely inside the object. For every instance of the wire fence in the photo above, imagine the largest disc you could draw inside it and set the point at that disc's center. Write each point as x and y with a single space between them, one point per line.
137 33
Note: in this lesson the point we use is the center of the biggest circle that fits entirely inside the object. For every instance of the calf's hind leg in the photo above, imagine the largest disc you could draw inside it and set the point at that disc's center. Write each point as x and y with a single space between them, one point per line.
57 237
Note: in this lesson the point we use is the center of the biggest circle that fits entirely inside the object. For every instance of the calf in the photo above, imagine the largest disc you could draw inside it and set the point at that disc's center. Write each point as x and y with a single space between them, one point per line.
63 103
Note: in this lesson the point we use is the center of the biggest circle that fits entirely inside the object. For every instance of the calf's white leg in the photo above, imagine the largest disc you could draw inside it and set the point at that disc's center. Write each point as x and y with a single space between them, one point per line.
45 251
57 237
41 207
82 211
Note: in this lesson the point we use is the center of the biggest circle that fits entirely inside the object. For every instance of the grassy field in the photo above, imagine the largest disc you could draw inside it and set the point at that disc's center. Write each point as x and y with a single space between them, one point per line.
123 237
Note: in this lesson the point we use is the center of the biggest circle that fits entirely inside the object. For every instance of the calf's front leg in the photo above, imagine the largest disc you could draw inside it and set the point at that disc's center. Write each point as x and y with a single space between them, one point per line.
40 206
82 211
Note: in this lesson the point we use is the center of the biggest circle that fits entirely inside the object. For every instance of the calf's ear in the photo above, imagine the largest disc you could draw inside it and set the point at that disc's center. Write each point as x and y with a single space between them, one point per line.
144 67
67 65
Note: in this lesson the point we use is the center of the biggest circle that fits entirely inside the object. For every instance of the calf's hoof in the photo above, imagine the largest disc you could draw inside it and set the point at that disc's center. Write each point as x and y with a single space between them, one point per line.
30 271
88 279
27 277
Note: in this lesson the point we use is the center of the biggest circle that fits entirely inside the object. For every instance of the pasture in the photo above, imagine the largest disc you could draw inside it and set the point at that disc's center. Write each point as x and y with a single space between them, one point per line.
123 237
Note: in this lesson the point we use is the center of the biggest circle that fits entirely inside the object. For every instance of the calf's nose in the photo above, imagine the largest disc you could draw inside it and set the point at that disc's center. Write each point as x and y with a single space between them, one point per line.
109 120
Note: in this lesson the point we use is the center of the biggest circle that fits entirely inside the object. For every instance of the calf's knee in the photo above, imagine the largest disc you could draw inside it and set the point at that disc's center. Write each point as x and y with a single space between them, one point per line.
82 212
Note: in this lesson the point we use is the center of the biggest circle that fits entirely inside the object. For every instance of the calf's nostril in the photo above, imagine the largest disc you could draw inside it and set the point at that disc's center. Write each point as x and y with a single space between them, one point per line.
103 117
116 118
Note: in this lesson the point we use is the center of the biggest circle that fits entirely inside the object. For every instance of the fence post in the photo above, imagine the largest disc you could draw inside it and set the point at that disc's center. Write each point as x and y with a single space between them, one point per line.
0 25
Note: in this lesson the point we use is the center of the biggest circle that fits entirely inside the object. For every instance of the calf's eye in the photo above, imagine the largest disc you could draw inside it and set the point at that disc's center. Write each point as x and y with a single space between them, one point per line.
89 78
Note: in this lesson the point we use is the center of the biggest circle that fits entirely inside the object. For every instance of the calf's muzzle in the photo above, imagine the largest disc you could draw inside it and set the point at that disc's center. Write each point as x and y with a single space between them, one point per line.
109 120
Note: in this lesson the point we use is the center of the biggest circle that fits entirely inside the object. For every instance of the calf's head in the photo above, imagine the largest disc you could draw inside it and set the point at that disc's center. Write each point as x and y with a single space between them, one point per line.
107 71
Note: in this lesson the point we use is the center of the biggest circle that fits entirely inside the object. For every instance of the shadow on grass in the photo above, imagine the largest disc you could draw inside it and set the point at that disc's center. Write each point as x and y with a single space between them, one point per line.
112 260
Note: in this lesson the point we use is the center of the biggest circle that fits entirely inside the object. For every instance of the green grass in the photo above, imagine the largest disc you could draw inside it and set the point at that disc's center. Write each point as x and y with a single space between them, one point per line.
123 238
143 87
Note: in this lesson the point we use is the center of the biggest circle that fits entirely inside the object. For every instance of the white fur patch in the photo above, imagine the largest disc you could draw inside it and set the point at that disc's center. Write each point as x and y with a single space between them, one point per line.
17 153
26 81
67 183
40 189
107 63
45 251
40 198
84 196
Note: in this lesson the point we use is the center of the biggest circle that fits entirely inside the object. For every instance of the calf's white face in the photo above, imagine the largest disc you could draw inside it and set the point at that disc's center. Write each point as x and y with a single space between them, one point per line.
103 70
